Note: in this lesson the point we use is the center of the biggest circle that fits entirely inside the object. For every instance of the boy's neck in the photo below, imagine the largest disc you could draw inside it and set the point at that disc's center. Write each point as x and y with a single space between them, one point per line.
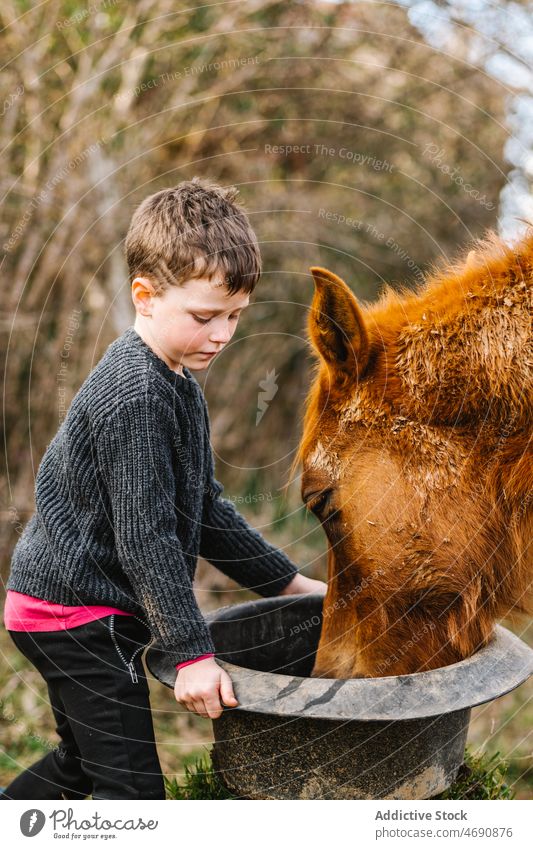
147 338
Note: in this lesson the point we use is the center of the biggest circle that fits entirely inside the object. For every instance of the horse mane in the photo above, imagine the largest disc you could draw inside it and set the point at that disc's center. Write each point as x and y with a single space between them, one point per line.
458 349
488 262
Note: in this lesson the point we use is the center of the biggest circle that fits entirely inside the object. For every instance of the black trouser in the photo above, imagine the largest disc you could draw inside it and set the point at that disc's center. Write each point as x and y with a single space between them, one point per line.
104 721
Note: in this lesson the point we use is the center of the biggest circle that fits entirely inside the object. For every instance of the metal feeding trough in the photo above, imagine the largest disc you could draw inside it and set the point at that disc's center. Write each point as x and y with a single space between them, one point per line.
296 737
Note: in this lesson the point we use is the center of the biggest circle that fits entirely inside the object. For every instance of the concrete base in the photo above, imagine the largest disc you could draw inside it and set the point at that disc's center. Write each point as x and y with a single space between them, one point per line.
259 757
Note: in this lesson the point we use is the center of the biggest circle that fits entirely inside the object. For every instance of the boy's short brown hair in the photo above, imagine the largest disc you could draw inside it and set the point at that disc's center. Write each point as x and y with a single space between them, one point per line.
193 230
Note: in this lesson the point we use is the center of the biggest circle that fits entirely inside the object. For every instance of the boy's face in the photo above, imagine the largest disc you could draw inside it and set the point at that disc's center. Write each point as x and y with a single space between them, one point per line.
188 325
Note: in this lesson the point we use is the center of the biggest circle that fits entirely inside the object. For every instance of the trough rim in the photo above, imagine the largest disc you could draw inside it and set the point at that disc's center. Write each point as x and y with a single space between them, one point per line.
501 666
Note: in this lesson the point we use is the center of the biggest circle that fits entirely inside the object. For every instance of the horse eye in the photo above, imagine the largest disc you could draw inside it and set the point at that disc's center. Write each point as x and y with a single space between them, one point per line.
317 502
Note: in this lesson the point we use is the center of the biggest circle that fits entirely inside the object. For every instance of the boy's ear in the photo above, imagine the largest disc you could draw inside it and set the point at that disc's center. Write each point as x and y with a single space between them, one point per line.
337 327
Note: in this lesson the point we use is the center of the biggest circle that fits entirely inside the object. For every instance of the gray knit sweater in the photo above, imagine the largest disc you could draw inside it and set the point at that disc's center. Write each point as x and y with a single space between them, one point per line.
126 500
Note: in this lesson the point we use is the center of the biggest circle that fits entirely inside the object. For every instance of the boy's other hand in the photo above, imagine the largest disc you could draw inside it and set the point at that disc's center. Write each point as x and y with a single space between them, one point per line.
202 686
302 584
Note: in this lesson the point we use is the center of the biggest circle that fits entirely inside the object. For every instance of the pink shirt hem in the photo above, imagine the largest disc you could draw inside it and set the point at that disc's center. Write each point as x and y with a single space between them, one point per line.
27 613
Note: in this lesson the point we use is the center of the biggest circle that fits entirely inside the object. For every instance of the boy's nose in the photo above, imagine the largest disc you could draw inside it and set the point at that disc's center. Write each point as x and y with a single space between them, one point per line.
221 333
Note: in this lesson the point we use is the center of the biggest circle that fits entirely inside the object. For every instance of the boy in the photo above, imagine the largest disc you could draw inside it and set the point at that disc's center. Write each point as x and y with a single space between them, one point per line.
126 500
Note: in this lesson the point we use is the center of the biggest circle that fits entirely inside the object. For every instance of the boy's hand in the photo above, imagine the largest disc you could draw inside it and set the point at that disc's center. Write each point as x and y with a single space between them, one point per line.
202 686
301 584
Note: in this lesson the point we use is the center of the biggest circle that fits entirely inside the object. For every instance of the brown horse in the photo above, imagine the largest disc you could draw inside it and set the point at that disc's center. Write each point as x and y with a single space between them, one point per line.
416 459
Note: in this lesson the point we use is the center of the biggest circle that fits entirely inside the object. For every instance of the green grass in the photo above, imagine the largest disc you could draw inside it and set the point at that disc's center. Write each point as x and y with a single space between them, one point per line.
200 782
27 728
480 777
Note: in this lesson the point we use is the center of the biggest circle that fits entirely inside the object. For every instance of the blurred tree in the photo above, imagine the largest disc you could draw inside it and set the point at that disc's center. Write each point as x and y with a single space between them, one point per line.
341 127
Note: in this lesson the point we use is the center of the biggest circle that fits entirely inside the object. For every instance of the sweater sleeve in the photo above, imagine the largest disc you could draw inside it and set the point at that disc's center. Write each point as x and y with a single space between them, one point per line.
135 455
235 548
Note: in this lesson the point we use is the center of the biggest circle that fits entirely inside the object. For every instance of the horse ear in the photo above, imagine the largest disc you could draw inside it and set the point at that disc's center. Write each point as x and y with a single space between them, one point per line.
337 327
